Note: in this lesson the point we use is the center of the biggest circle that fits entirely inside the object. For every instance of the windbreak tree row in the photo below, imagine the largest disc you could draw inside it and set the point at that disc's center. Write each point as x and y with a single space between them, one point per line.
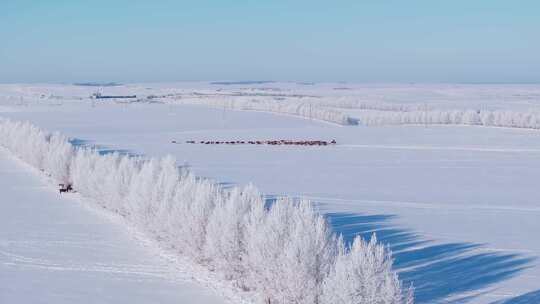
307 109
283 253
497 118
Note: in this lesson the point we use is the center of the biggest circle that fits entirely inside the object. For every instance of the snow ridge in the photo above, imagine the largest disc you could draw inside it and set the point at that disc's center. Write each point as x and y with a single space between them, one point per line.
284 253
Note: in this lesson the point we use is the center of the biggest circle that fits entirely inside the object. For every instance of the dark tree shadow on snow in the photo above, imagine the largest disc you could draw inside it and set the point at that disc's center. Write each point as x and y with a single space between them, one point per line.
437 271
528 298
102 150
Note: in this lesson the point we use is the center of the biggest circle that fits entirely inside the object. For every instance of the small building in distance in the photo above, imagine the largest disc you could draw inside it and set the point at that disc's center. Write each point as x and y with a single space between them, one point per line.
98 95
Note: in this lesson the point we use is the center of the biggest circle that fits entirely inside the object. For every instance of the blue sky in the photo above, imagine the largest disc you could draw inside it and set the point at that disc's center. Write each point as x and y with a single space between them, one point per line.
356 41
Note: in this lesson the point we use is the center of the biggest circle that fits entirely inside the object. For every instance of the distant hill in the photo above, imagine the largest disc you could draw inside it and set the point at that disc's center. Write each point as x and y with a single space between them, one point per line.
97 84
241 82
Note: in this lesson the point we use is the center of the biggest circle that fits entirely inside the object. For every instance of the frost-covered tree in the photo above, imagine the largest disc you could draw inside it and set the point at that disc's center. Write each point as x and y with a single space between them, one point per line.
285 252
289 251
226 232
363 274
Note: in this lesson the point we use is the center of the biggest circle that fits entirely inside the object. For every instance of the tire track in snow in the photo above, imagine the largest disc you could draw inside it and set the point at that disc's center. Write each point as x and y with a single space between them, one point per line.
140 270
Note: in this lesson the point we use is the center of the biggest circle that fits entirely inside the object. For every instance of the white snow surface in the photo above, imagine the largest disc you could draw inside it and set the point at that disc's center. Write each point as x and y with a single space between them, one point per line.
53 249
283 252
458 205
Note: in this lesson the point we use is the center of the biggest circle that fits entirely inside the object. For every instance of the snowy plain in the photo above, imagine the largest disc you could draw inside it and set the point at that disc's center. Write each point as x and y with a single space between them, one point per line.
54 249
458 205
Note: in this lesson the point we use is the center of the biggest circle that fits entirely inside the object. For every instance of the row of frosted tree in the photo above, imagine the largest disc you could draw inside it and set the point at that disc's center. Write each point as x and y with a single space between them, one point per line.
377 113
496 118
345 102
390 113
308 108
284 252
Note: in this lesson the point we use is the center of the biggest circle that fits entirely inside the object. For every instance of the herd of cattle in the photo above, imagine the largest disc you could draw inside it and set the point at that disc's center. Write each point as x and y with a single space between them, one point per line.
263 142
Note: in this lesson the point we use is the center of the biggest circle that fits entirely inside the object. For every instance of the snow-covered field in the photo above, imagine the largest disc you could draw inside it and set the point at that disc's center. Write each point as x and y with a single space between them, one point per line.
55 250
458 204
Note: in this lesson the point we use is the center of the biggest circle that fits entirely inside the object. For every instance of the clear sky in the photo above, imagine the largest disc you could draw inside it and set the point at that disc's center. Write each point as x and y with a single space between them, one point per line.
348 40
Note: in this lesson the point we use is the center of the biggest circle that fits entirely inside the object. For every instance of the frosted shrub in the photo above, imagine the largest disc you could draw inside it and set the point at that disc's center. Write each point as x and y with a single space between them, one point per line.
285 252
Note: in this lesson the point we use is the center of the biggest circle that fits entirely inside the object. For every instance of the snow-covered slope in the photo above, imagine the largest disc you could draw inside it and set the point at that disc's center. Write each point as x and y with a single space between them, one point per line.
54 249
